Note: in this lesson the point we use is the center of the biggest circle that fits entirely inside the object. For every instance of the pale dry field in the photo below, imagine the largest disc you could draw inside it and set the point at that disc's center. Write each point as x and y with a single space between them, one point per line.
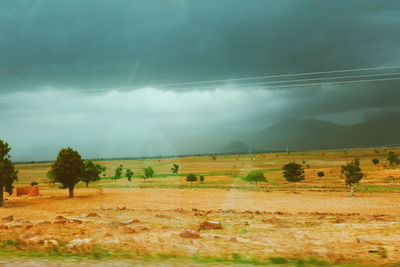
315 218
328 226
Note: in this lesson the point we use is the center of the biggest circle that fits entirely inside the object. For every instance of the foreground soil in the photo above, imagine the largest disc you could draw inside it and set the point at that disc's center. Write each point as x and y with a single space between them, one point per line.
255 224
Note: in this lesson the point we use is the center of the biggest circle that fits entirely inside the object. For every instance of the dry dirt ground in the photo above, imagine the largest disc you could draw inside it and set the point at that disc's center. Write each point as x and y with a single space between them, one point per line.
255 223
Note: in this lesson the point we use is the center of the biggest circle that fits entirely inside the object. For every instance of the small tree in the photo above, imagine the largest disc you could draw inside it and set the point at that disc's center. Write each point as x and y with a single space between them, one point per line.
201 178
393 159
255 176
148 173
8 174
175 169
191 178
320 174
129 174
91 172
118 172
375 161
353 174
67 169
293 172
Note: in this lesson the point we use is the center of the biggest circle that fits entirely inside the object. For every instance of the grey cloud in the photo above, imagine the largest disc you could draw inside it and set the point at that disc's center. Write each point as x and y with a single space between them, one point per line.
61 60
100 44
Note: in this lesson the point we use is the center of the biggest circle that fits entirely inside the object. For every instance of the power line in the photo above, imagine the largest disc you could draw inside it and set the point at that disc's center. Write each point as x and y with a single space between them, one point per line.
260 77
277 76
327 83
323 78
298 84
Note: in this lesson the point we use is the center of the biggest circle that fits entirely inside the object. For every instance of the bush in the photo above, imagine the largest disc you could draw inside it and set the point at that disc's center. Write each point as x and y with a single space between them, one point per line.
320 174
201 178
255 176
375 161
34 183
175 169
191 178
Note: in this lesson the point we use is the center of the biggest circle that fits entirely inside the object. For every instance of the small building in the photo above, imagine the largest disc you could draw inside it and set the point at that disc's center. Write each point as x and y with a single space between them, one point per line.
30 191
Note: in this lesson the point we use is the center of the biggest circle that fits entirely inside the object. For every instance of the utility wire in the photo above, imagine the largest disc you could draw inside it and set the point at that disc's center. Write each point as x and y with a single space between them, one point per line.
326 83
309 79
277 76
169 85
323 78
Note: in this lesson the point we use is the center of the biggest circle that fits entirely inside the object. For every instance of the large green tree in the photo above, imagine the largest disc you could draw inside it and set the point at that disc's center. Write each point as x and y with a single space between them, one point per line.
353 174
67 169
293 172
148 172
118 172
191 178
91 172
8 174
393 159
129 174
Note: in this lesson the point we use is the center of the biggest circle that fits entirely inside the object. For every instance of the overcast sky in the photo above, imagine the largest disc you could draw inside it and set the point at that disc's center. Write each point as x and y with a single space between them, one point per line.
91 74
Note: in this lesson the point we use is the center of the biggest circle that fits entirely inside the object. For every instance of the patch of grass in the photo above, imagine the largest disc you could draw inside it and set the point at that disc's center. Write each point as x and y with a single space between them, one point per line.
378 188
99 253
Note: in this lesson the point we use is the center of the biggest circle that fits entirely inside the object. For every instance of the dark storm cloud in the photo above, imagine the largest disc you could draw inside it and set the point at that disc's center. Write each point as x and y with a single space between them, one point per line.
85 73
99 44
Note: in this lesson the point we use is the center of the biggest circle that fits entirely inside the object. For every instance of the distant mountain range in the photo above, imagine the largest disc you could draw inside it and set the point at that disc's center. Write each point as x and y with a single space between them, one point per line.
317 134
307 134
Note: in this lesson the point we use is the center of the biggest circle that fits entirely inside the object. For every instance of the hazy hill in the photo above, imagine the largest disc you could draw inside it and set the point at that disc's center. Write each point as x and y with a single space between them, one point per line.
297 134
317 134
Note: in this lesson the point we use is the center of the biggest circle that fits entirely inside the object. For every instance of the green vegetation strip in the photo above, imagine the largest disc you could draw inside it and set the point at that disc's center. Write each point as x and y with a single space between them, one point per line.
98 253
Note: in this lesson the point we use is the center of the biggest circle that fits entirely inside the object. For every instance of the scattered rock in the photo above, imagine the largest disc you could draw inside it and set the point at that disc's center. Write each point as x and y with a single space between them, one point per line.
93 214
211 225
189 233
130 221
117 224
233 239
180 210
60 222
51 243
8 218
338 220
128 230
78 242
43 222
